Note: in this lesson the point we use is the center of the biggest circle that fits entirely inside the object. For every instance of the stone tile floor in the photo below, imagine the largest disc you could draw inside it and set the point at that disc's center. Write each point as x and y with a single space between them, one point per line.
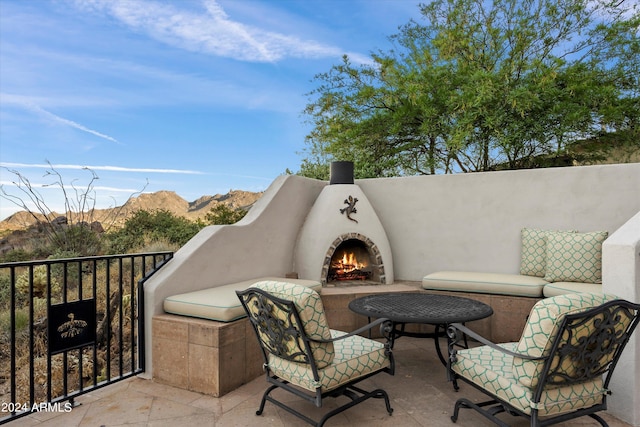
419 392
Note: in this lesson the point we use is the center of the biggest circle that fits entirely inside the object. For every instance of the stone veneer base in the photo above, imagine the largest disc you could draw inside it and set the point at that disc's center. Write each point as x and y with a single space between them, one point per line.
204 355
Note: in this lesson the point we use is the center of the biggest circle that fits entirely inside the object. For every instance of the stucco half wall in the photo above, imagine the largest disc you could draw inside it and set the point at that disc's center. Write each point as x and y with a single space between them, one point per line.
441 222
621 276
473 221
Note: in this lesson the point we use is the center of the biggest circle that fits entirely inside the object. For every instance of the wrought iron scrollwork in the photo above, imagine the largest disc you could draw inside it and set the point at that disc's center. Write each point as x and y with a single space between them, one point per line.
453 337
276 328
584 356
386 330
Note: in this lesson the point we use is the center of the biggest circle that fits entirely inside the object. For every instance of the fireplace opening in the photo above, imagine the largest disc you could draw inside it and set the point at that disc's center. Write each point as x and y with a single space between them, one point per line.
352 259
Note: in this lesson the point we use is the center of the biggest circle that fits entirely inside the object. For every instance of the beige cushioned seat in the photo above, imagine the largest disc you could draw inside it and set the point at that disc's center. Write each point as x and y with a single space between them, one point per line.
514 379
221 302
487 283
561 288
339 362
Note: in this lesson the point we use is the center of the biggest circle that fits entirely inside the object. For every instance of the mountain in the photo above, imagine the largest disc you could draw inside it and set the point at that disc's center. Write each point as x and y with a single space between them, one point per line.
161 200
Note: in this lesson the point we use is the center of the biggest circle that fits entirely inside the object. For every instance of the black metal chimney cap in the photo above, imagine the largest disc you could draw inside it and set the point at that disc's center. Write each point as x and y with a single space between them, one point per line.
341 173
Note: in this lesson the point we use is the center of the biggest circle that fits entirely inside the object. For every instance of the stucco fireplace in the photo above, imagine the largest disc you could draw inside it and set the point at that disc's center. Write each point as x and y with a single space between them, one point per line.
342 239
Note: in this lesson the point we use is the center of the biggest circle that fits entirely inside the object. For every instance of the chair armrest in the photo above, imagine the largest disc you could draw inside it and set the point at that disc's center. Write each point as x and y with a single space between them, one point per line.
385 329
454 337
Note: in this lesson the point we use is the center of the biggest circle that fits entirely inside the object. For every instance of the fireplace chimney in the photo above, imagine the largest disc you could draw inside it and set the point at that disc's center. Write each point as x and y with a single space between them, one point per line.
341 173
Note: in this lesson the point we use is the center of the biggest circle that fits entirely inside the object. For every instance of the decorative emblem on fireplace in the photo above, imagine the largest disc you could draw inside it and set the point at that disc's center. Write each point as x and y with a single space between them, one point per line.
351 208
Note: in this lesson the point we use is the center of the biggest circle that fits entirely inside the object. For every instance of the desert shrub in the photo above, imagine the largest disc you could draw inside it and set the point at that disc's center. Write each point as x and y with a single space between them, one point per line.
145 227
16 255
159 245
39 282
223 214
5 293
77 238
5 290
22 321
61 253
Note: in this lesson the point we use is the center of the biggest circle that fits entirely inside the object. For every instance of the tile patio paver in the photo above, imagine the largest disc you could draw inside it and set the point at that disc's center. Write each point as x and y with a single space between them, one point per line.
419 391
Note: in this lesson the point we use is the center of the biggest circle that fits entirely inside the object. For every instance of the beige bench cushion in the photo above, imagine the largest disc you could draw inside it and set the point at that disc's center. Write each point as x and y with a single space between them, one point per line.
221 302
561 288
486 283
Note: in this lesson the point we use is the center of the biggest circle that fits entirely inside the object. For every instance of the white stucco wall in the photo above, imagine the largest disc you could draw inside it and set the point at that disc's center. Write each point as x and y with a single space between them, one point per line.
621 276
473 221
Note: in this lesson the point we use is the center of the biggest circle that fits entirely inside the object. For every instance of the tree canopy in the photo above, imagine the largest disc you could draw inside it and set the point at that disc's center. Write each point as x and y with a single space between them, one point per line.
481 85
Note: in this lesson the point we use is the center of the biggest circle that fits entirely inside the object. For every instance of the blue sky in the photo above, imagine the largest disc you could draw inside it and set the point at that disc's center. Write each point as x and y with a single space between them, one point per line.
193 96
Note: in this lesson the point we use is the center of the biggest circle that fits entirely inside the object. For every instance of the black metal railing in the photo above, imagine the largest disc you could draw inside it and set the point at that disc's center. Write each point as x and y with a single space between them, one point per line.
69 326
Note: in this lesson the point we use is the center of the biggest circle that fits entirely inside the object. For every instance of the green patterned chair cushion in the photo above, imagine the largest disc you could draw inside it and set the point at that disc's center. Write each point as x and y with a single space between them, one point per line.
492 370
355 356
534 251
311 310
542 327
575 257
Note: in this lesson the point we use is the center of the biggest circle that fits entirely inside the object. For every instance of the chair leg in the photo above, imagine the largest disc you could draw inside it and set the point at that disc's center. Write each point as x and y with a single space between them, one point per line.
488 414
355 399
378 394
602 422
264 399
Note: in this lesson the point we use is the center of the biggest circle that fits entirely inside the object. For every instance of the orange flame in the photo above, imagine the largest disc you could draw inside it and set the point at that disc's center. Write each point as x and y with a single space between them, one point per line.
348 263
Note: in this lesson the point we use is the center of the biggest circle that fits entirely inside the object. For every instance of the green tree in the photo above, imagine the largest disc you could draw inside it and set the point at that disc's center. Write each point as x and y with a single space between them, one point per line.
481 85
222 214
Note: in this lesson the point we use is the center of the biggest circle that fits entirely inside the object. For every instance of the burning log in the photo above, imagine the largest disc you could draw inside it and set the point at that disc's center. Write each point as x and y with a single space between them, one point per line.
347 267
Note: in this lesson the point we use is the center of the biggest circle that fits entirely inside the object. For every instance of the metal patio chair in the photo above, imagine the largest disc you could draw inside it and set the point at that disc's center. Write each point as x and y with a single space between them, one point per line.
561 367
304 357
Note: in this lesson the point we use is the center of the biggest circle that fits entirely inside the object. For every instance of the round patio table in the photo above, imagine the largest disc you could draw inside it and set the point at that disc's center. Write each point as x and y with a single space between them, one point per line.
433 309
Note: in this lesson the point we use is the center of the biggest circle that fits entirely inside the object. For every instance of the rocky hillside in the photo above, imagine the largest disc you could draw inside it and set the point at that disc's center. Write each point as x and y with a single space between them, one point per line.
161 200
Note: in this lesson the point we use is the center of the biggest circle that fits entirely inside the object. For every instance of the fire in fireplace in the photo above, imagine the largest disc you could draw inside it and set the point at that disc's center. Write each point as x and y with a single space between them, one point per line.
350 261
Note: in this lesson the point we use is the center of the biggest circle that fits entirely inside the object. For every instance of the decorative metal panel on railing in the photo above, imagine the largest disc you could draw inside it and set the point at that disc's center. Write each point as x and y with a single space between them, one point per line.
69 326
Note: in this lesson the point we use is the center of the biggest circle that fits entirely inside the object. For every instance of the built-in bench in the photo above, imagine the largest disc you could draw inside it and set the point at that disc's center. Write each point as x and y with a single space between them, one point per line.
512 296
552 263
204 343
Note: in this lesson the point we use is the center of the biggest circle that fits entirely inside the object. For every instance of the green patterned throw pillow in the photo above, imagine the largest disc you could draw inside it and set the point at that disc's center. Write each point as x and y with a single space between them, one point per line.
534 251
575 257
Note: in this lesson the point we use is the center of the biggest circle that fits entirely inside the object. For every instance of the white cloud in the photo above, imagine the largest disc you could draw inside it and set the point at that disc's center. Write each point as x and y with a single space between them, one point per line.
28 104
74 124
53 187
212 32
98 168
